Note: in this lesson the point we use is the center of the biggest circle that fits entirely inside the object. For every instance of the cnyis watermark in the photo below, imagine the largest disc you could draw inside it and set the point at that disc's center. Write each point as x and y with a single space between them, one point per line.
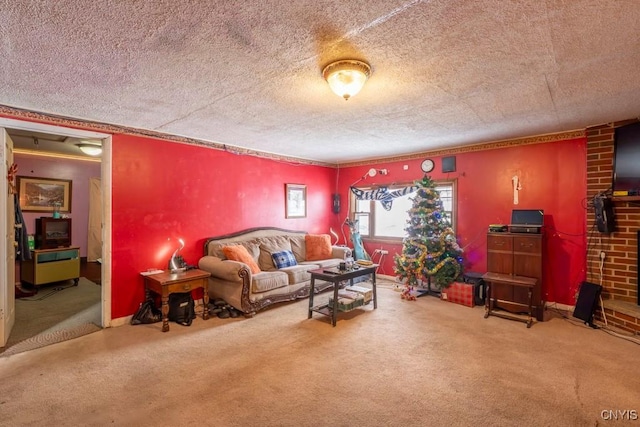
619 414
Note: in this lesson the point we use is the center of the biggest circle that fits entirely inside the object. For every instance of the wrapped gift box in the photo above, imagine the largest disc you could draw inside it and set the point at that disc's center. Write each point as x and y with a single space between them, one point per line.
347 304
366 293
343 293
459 293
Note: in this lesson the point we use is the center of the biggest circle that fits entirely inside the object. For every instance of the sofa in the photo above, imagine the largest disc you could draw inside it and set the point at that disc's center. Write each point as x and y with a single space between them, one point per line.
258 267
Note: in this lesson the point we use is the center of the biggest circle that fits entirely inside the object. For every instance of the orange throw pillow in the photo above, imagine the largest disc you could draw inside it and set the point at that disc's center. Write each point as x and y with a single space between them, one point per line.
240 253
318 246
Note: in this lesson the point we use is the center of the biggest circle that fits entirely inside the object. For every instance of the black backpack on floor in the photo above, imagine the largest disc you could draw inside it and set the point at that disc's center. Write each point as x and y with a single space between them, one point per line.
182 308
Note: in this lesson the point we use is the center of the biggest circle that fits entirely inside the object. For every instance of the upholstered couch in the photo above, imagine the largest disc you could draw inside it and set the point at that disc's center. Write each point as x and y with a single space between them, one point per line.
255 268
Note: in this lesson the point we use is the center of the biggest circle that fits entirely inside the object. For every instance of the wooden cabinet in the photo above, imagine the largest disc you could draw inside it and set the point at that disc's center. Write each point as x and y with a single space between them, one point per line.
51 265
518 255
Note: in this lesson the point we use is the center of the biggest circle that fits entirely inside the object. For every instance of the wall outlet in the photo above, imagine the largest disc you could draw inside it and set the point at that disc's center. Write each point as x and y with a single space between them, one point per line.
602 255
384 251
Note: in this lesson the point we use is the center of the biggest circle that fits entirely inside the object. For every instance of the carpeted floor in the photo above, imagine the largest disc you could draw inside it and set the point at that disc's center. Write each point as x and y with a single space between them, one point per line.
56 313
408 363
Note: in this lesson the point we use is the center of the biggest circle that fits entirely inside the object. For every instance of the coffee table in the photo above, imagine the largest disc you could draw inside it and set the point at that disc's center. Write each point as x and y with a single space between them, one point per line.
335 276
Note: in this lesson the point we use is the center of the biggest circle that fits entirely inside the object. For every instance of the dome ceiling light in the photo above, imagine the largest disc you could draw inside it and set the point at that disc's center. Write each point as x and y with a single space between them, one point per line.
90 149
346 77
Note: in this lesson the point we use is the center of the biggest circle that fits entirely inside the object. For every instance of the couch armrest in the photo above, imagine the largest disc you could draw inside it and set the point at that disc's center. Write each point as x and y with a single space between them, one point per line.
232 271
341 252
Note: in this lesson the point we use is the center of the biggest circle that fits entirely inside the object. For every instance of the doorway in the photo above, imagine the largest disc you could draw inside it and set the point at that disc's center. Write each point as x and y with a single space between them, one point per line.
100 274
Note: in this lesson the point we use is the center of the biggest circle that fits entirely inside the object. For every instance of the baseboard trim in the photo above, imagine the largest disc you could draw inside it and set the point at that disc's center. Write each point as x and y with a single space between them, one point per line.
120 321
556 305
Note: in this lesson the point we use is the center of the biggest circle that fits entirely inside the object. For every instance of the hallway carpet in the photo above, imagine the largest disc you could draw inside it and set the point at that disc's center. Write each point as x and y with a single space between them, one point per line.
57 312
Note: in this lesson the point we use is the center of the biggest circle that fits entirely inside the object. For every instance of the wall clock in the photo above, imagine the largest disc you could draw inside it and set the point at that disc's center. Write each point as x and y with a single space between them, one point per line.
427 165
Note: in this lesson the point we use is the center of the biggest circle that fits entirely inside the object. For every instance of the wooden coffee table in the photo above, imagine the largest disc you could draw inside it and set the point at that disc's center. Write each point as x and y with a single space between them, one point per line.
166 283
335 276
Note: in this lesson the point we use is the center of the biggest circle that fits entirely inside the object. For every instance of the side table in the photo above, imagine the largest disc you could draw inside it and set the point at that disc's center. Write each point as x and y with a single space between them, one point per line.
166 283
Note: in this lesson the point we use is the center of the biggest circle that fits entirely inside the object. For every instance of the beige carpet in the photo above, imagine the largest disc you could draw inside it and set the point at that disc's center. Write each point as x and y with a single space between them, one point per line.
420 363
56 313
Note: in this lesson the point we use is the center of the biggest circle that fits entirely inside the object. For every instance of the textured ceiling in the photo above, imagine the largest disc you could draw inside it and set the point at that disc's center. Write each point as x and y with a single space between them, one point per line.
248 74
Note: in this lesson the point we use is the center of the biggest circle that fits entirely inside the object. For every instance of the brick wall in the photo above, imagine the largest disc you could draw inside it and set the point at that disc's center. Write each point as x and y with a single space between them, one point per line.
619 270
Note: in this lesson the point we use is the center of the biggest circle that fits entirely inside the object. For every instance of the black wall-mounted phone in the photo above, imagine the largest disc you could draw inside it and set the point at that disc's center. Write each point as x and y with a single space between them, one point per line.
336 203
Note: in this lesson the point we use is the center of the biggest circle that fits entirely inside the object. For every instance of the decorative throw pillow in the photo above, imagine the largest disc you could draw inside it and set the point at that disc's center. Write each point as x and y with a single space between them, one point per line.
283 259
268 246
318 246
240 253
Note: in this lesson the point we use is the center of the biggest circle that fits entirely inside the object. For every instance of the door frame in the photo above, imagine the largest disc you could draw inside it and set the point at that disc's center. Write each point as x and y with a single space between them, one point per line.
105 172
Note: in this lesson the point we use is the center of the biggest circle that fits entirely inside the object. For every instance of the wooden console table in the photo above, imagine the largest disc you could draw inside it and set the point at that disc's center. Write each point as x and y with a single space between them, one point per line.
529 283
166 283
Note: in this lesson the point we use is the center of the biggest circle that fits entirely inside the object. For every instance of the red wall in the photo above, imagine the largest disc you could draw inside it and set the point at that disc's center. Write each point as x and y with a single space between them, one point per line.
553 178
163 191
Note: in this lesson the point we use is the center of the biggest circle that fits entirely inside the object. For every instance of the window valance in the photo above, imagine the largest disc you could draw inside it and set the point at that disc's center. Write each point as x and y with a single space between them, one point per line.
382 194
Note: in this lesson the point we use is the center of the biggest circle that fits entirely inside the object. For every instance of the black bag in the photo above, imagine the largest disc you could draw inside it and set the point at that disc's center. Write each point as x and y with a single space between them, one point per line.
147 313
182 308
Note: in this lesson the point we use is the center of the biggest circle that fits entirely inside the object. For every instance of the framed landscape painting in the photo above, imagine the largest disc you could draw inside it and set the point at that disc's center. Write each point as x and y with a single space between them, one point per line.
295 201
43 194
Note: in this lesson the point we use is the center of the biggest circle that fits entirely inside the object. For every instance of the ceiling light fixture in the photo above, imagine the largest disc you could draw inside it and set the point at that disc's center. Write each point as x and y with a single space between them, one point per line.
90 149
346 77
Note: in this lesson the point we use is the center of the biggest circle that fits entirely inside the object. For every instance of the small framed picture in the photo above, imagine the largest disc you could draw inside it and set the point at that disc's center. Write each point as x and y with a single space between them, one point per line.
44 194
295 201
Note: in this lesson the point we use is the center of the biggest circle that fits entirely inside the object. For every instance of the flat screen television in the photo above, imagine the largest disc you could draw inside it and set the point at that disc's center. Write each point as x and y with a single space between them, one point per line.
52 233
533 217
626 161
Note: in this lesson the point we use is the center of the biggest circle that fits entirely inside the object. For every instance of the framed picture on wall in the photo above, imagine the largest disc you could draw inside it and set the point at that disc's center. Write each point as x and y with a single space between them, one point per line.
44 194
295 201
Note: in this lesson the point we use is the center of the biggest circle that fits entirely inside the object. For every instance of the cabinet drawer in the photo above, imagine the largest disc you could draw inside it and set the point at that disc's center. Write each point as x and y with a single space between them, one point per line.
185 286
53 256
57 271
499 243
527 244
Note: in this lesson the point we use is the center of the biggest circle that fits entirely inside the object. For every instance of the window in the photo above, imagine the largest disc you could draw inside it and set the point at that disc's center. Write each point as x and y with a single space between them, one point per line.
376 222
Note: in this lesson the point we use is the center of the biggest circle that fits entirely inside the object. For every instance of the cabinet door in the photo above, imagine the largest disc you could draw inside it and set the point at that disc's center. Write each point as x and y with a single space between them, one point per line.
527 261
500 254
502 292
527 256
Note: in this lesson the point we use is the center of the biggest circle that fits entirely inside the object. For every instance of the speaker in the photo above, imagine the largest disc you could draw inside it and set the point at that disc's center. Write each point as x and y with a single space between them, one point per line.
587 302
449 164
603 208
336 203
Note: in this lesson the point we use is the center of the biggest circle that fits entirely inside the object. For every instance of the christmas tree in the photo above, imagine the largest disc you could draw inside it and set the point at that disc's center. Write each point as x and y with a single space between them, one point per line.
430 251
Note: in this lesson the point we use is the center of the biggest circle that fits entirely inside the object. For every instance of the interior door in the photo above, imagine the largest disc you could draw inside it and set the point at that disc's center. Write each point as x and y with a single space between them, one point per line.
8 251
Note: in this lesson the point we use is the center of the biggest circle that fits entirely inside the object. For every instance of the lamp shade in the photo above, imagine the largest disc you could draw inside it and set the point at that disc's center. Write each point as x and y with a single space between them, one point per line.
347 77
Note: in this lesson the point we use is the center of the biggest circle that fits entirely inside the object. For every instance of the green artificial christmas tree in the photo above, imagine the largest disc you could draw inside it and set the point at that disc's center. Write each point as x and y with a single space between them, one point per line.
430 251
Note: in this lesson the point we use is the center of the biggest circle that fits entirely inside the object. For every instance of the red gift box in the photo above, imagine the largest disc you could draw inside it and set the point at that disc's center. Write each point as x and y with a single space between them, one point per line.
460 293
